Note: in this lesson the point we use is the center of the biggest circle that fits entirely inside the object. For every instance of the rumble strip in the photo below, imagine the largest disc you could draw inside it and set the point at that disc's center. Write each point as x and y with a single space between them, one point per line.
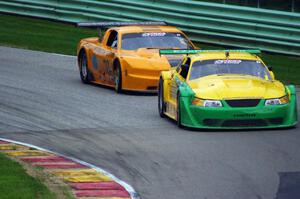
85 180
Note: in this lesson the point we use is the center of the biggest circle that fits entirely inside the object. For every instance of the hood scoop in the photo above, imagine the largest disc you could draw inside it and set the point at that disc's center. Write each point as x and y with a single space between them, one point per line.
148 52
238 83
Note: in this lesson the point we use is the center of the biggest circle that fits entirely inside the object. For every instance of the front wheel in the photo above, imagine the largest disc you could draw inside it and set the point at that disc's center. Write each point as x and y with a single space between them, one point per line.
85 75
161 102
118 78
179 124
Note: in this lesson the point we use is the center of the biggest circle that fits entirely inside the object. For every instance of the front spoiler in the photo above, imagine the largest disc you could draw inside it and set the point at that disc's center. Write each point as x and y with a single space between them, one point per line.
259 117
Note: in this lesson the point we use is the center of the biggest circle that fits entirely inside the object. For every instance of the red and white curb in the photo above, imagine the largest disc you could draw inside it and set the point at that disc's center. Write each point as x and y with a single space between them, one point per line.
85 180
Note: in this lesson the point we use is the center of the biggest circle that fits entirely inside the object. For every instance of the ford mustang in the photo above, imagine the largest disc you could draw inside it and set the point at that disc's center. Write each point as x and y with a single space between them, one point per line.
127 56
225 89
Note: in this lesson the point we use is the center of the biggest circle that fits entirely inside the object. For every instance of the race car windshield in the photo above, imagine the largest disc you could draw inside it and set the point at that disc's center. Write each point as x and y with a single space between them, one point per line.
223 67
160 40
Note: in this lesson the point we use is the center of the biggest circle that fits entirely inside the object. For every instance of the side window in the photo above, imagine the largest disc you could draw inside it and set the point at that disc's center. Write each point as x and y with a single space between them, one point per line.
113 39
185 66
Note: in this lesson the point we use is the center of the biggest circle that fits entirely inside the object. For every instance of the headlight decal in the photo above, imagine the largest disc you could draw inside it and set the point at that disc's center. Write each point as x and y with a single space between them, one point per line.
206 103
277 101
272 102
198 102
284 100
212 103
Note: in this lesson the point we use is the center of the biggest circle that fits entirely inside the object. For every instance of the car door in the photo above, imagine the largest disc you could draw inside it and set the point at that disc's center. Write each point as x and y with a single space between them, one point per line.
103 59
177 78
112 48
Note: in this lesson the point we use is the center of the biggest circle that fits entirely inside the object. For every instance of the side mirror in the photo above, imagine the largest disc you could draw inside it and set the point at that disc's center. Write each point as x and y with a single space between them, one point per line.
173 73
270 68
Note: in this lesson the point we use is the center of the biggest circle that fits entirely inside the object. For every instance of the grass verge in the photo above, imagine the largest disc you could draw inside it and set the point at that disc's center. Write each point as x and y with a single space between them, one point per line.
15 183
43 35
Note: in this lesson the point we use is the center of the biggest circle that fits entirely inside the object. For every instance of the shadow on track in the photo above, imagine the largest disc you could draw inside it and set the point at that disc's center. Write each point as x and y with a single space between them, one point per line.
204 130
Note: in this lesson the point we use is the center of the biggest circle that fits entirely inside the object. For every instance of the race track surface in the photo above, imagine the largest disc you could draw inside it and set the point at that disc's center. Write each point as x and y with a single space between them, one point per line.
43 102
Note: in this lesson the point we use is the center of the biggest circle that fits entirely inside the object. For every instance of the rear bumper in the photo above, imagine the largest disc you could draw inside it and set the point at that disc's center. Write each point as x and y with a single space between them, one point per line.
261 116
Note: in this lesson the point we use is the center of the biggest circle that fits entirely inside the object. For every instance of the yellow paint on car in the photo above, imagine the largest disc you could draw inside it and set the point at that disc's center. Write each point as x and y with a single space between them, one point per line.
140 68
233 86
221 87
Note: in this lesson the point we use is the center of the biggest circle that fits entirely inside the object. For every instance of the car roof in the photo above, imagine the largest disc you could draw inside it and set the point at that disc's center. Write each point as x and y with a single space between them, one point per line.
137 29
222 55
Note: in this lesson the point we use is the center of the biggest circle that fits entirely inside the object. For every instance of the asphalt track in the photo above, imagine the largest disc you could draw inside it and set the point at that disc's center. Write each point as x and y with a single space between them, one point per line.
43 102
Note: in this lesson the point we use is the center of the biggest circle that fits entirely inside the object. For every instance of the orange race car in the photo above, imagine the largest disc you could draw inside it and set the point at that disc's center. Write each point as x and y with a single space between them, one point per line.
127 56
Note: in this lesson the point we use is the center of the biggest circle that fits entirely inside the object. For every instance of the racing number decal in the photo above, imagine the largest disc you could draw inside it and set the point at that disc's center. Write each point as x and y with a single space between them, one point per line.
172 106
95 62
173 90
108 70
105 64
102 64
108 67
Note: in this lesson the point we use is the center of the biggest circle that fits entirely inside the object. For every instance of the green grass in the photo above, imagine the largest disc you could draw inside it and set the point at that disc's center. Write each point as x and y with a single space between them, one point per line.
15 183
43 35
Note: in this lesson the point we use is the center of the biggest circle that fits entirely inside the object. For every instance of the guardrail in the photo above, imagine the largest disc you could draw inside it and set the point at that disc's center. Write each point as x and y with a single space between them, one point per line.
229 25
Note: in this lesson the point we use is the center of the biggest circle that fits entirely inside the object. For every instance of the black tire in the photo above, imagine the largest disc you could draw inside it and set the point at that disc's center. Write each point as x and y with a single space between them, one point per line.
118 77
179 124
85 74
161 103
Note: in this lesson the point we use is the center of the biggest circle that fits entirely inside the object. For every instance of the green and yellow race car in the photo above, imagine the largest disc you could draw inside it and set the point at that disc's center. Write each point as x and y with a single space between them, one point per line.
228 89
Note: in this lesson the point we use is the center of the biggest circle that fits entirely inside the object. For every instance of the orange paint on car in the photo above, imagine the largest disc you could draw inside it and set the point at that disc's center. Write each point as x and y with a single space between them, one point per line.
139 67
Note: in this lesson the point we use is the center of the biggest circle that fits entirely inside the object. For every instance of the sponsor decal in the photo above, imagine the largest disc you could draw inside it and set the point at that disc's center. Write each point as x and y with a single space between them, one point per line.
228 61
95 62
171 109
154 34
247 115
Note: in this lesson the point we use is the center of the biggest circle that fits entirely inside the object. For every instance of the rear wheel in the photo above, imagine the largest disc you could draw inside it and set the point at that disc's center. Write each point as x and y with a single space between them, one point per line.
118 78
85 74
161 102
179 124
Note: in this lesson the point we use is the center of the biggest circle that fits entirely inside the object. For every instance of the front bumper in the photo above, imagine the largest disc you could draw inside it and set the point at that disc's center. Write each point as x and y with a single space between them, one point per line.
141 82
226 117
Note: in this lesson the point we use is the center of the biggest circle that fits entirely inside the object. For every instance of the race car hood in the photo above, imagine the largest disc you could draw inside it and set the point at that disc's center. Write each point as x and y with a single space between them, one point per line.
150 58
236 87
173 60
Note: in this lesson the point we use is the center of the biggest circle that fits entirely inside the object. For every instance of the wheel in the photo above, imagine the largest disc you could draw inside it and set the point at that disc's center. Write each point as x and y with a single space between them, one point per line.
179 124
85 74
161 103
118 78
